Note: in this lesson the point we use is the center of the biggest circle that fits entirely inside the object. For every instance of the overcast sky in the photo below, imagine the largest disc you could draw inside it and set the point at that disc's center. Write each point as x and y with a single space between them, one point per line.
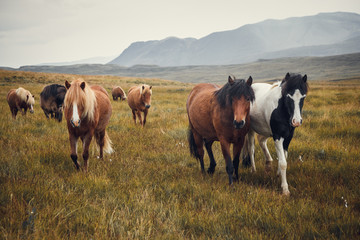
43 31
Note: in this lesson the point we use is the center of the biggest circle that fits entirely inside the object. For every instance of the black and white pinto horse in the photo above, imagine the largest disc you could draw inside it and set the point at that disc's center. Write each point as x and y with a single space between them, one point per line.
276 112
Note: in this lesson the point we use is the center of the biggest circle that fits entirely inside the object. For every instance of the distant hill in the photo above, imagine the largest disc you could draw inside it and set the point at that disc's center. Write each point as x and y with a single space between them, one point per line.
93 60
324 34
317 68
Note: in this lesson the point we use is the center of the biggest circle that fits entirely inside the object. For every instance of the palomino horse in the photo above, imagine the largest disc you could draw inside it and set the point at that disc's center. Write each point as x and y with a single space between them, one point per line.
20 99
276 113
139 100
87 112
219 114
118 92
52 100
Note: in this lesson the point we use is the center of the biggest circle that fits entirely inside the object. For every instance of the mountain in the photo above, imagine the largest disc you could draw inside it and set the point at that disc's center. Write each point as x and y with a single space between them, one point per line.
324 34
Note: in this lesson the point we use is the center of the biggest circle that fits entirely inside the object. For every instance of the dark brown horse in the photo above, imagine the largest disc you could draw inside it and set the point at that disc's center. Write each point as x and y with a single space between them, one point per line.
87 112
219 114
52 100
20 99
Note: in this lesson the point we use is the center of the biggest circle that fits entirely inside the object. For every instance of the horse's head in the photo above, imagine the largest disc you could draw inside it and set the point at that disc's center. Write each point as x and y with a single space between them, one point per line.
122 94
30 101
238 95
145 94
294 90
241 100
79 102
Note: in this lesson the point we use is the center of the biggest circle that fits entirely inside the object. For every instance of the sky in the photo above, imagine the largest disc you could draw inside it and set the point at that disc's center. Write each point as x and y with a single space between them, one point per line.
48 31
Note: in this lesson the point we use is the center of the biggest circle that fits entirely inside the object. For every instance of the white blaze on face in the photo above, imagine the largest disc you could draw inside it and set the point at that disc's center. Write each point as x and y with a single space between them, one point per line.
296 97
75 116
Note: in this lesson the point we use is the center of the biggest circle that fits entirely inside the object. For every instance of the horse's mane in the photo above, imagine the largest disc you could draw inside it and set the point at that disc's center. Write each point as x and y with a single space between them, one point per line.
120 89
83 97
237 89
293 81
52 90
23 93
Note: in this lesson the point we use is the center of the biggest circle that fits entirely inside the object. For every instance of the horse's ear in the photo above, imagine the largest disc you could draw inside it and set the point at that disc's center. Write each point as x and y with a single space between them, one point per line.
67 84
305 78
287 76
151 86
231 80
249 81
27 97
82 85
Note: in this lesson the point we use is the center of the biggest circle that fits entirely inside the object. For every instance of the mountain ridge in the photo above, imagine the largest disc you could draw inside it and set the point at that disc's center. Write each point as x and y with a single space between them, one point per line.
249 42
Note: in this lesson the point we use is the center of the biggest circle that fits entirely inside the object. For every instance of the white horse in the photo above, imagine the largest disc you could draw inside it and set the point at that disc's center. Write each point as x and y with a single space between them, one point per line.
276 112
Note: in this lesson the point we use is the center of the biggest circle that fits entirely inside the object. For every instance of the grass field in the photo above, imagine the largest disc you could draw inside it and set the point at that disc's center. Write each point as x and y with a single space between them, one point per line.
151 188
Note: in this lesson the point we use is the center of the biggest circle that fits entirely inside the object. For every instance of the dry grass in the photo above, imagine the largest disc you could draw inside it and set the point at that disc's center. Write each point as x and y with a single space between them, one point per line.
151 188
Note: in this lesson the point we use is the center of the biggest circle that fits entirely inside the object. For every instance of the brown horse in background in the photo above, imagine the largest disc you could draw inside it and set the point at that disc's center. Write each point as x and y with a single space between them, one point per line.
118 92
219 114
87 112
139 100
20 99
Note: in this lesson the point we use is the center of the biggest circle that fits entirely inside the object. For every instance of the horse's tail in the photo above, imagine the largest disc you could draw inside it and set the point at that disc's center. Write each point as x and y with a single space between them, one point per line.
193 148
245 153
107 143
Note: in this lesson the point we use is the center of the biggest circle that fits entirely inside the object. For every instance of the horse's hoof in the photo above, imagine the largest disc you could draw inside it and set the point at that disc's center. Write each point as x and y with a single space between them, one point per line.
210 171
286 193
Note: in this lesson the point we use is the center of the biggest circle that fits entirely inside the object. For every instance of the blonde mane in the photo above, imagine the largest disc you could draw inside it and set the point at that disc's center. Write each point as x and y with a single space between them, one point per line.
23 93
84 98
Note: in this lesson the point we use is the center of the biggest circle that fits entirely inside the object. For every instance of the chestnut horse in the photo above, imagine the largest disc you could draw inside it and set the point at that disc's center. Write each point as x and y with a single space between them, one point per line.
20 99
87 112
219 114
118 92
139 100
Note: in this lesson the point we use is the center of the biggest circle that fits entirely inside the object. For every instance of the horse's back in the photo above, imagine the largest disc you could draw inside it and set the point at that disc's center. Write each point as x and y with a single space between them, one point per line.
199 108
134 97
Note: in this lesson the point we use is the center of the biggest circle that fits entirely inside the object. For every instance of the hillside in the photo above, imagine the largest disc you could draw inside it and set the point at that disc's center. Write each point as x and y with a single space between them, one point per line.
317 68
320 35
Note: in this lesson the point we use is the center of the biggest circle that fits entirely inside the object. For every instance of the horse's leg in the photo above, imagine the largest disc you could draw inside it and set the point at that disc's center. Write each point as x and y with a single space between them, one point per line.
208 146
225 148
100 141
268 159
134 116
287 142
138 113
73 145
279 141
199 147
86 143
14 112
236 153
145 114
251 149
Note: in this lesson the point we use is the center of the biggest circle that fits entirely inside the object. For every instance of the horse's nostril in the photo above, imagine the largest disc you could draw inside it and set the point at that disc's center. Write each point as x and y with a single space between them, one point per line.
147 106
239 125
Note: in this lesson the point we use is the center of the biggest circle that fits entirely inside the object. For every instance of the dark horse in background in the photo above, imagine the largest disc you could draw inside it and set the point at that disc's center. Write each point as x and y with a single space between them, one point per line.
52 100
276 113
219 114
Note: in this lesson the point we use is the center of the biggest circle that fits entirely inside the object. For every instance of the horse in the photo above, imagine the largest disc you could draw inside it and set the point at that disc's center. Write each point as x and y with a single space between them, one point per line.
139 100
118 92
87 112
52 100
276 113
219 114
20 99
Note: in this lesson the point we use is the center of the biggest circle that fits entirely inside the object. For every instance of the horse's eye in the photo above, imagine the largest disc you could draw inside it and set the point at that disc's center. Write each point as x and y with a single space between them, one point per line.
248 99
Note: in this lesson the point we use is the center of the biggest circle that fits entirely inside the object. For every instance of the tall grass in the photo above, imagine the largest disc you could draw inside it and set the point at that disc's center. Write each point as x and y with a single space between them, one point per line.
151 188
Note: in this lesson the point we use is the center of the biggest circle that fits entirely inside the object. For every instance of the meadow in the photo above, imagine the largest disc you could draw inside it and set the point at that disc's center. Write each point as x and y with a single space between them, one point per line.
151 188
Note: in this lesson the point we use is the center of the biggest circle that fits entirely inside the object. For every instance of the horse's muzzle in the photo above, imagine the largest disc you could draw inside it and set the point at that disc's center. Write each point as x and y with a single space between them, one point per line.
147 106
75 124
295 123
239 125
